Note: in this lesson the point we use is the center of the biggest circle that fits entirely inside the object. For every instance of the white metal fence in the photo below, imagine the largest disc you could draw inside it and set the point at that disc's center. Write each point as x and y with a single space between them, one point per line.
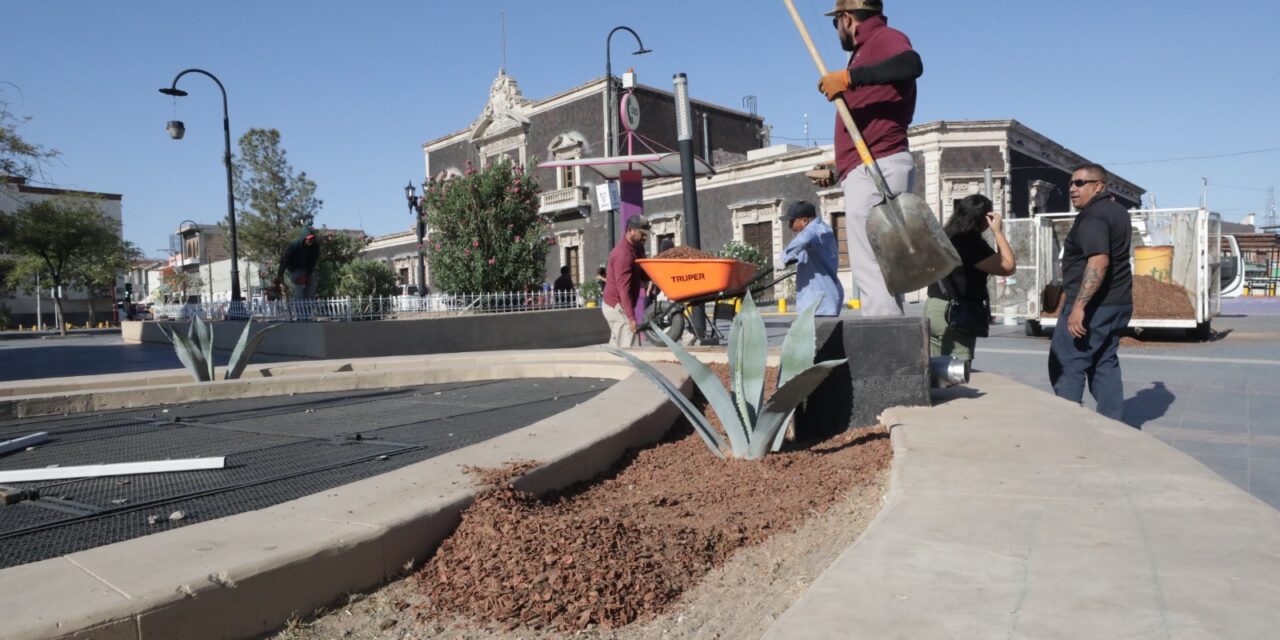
386 308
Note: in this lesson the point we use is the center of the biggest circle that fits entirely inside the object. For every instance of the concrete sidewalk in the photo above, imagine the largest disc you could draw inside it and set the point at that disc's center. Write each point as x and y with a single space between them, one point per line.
1014 514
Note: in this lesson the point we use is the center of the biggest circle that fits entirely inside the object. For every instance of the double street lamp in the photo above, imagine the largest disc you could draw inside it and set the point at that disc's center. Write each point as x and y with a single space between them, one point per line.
417 209
176 130
610 93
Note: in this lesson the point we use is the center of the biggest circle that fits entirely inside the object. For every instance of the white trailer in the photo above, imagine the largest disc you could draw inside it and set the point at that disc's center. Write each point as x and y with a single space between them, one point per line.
1194 234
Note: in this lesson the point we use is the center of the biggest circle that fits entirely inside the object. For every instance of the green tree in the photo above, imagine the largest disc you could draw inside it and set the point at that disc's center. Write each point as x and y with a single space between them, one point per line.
337 250
61 234
366 278
101 267
272 202
486 234
176 281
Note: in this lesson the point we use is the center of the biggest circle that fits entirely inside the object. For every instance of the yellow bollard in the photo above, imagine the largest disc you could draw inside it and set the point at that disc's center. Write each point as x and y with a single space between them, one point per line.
782 305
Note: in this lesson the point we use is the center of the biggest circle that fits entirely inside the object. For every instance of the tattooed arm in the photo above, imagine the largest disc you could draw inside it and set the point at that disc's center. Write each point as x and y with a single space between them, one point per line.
1095 271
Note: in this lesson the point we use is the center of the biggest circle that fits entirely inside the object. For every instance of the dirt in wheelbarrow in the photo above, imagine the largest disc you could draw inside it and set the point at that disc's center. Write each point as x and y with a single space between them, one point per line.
671 542
685 253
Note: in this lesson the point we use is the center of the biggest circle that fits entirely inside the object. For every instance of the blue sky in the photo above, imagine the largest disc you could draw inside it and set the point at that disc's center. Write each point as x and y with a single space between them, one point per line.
355 88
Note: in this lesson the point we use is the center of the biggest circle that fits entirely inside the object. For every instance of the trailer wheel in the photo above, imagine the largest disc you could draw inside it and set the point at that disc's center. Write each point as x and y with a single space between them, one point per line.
1032 327
1203 331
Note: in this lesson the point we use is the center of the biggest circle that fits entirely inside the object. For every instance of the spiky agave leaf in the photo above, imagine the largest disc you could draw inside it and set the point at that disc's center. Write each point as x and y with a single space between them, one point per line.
699 421
244 349
204 342
715 393
748 352
799 348
197 350
186 354
775 412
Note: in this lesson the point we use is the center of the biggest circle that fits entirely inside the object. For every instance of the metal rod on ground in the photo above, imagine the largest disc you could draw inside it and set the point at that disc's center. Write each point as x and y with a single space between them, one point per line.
18 444
121 469
692 233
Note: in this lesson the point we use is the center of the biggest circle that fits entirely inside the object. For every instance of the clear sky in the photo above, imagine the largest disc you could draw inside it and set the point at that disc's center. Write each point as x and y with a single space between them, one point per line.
355 88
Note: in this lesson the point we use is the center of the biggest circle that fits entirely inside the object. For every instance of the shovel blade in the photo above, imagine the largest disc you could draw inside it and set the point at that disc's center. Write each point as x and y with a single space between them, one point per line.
909 244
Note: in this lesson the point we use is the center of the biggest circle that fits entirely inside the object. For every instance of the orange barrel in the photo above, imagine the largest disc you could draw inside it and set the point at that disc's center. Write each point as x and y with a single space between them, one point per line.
1156 262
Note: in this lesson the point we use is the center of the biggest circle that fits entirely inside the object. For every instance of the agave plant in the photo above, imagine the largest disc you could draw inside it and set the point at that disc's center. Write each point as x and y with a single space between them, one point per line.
195 349
753 426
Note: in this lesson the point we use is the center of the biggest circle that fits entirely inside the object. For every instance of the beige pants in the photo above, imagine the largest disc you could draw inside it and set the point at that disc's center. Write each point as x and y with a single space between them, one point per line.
620 334
860 195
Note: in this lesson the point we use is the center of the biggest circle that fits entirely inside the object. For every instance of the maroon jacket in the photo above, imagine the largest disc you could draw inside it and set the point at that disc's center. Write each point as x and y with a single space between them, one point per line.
882 111
623 280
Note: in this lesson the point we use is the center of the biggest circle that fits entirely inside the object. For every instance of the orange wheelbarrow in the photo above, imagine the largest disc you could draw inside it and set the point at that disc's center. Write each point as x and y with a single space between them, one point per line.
690 283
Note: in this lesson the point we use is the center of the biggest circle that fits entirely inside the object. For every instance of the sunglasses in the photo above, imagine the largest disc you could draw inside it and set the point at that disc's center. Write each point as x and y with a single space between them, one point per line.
1080 183
835 21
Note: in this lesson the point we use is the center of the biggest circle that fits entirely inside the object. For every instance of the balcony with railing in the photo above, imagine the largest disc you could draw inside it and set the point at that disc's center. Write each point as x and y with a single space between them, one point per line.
569 199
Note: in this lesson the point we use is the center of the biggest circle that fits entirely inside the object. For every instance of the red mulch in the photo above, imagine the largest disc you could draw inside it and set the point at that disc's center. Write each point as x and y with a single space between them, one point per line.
627 544
1153 299
684 253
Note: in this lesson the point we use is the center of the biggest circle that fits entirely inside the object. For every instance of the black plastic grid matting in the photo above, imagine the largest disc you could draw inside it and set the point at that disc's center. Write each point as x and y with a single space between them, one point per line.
277 449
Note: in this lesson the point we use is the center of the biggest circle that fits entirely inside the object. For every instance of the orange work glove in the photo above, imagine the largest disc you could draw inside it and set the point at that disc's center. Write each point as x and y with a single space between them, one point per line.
835 83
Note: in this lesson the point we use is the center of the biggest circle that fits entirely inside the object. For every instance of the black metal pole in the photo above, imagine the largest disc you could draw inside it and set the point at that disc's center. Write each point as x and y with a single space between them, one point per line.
689 184
416 207
611 102
608 99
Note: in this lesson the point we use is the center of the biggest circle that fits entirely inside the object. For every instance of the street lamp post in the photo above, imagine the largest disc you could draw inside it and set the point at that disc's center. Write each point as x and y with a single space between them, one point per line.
176 130
611 99
416 209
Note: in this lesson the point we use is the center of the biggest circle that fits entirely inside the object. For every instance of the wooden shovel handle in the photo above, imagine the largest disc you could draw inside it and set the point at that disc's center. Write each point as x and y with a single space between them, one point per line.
841 107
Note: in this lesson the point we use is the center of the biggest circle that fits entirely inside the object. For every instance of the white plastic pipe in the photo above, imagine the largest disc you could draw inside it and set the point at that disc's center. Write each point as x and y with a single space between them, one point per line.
121 469
18 444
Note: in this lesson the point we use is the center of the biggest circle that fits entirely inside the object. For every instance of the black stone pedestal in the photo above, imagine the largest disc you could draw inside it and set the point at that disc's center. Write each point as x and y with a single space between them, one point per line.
888 366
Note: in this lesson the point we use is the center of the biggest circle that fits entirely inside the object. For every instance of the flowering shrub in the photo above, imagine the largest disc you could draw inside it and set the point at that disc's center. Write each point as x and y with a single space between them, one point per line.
486 234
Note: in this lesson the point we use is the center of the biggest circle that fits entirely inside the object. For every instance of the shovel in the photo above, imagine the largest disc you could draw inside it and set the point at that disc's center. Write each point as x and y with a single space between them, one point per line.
909 244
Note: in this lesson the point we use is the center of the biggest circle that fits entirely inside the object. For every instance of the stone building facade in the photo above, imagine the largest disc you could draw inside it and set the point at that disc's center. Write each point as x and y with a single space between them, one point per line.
753 181
571 125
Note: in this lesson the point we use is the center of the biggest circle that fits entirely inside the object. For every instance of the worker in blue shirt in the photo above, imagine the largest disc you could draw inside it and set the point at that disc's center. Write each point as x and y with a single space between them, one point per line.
814 252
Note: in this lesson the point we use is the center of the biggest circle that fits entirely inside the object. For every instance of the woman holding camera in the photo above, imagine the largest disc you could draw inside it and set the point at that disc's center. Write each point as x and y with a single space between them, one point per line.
958 307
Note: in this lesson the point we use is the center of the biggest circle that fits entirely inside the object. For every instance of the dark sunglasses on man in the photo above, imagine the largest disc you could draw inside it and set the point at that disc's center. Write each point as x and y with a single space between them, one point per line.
1080 183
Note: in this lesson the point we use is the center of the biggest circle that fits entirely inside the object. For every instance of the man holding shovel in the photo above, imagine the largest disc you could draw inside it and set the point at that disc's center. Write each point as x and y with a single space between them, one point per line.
879 87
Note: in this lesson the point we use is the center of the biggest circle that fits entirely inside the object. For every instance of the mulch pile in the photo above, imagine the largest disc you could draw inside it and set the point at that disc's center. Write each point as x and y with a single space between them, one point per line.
685 253
627 544
1153 299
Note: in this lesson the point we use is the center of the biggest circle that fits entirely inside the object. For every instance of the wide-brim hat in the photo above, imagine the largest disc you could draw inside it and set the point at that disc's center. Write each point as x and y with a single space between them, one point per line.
843 6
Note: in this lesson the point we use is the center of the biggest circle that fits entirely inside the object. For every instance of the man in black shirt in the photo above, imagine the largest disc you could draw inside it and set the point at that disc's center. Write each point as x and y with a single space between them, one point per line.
1099 296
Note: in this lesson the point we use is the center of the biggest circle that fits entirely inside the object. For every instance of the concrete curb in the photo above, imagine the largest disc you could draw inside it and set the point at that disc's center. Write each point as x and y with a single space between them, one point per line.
1016 514
245 575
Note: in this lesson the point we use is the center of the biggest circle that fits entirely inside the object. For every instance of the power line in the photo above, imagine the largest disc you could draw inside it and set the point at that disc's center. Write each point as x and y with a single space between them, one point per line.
1206 157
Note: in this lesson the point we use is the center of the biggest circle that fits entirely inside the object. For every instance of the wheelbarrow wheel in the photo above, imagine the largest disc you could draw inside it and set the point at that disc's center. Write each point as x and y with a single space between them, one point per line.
667 317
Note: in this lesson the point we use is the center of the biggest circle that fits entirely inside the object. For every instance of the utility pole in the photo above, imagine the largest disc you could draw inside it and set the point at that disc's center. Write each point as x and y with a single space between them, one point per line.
1204 193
